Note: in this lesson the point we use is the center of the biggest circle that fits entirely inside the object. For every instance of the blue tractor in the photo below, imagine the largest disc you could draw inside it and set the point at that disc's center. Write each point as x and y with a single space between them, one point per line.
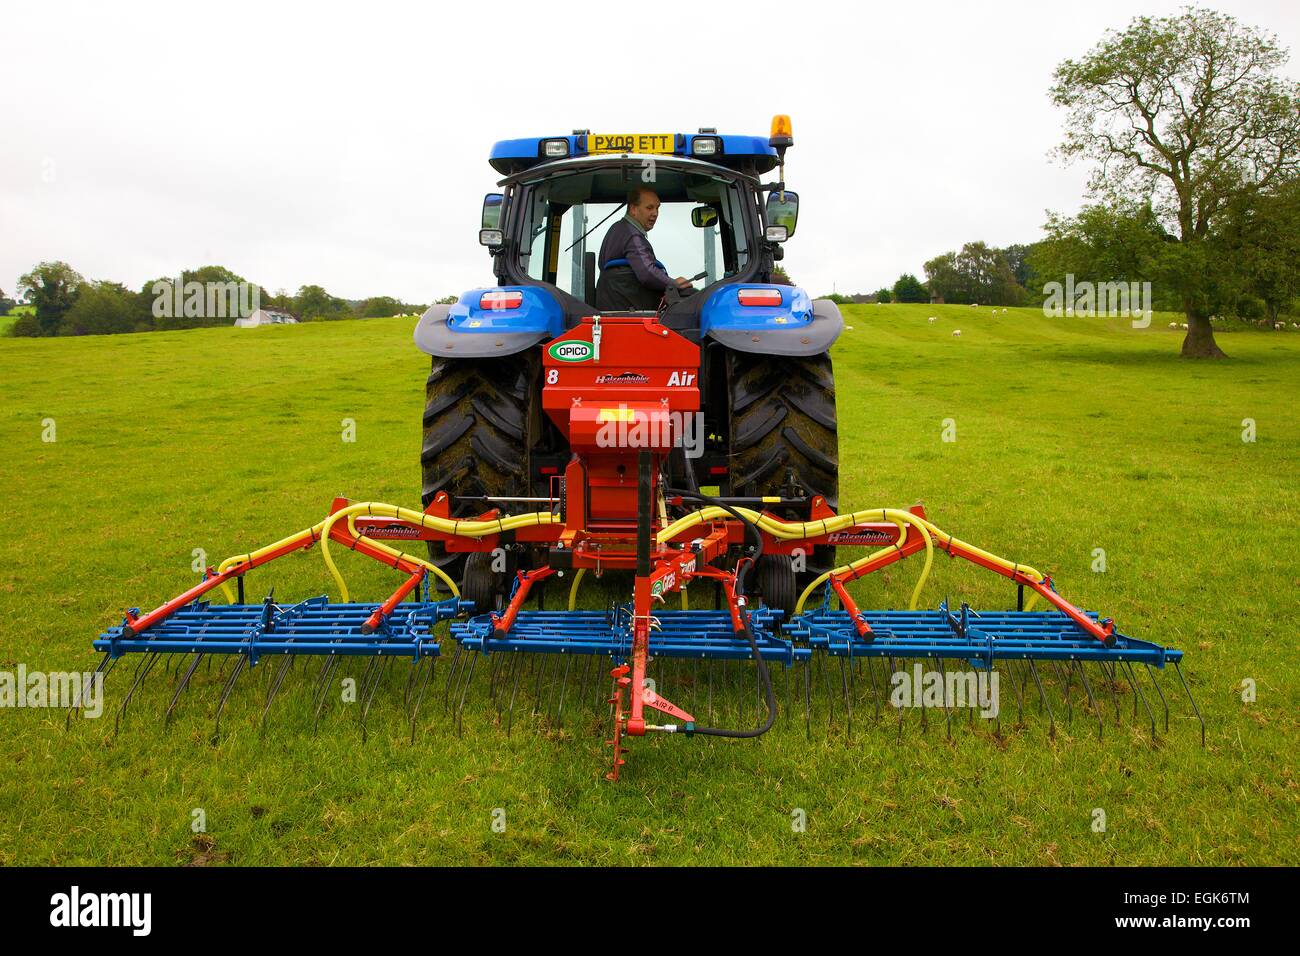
765 377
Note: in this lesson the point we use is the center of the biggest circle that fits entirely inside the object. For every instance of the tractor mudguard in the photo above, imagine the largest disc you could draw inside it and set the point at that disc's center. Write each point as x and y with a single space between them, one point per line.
466 329
798 326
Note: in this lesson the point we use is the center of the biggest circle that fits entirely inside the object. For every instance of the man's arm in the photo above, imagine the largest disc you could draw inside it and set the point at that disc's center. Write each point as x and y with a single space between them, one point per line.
642 260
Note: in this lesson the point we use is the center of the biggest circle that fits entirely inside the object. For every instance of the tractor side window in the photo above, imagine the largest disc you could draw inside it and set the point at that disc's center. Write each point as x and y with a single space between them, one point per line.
534 229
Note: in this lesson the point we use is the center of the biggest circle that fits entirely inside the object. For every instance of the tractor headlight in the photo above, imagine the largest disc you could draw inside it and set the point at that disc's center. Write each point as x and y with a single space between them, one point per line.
555 148
493 238
777 233
706 146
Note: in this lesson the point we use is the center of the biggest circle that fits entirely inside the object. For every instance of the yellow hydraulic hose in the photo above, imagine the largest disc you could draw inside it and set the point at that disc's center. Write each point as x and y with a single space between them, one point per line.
807 529
573 588
905 520
783 530
469 529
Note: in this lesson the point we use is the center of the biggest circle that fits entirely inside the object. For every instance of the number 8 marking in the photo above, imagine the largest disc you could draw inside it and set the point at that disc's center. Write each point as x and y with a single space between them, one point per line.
552 376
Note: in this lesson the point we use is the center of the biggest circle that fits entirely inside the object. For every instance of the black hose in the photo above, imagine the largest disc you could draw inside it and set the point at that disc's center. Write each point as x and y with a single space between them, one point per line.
763 674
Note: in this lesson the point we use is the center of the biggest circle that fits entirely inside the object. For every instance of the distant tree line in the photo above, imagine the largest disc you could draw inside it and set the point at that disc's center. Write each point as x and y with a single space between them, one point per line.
65 303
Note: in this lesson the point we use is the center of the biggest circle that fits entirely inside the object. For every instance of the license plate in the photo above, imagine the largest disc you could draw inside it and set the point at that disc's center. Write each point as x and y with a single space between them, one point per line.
655 143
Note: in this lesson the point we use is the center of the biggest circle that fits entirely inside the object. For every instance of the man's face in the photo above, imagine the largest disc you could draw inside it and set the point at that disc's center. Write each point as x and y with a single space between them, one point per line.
647 211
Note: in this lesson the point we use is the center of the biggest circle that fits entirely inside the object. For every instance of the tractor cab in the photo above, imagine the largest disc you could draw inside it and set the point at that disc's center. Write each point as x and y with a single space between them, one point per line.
708 227
719 225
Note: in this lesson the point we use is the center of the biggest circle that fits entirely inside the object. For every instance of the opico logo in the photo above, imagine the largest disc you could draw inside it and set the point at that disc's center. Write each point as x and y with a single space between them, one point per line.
571 351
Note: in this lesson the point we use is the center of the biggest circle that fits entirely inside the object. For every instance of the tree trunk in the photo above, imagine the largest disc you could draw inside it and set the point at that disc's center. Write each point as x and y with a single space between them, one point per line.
1199 341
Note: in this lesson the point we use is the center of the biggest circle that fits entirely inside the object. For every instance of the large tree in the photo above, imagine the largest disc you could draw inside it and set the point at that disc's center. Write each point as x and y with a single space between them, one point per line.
1185 113
1109 243
1261 236
52 287
103 308
908 288
312 302
976 274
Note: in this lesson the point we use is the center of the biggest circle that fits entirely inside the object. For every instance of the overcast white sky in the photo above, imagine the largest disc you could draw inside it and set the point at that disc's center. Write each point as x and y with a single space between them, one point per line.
346 144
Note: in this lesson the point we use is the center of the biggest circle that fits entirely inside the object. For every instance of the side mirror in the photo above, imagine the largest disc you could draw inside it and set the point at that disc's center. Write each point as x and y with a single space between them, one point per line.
493 203
703 216
782 213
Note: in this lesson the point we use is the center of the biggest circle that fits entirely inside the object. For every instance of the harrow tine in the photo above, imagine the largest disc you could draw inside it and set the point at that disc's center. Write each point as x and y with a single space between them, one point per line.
602 696
275 686
451 677
586 675
322 687
141 670
1042 696
1065 692
1137 692
225 693
550 690
1018 682
406 690
564 688
537 688
494 670
875 697
899 736
710 690
1112 681
1160 692
380 671
103 668
943 675
807 698
363 685
830 699
1092 701
422 685
510 719
725 682
464 689
180 688
1192 700
512 675
848 707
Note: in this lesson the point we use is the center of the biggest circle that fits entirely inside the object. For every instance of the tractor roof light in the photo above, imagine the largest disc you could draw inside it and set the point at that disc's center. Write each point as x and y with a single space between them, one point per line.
555 148
706 146
499 301
771 298
782 132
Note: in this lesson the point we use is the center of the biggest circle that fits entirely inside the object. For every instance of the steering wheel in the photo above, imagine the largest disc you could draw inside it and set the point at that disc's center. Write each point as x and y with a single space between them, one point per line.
674 294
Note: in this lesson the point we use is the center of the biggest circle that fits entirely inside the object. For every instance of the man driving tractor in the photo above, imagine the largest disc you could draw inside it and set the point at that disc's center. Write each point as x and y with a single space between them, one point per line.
630 277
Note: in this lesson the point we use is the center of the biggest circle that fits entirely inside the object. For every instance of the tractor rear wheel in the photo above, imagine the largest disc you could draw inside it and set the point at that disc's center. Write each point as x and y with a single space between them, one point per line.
480 421
783 433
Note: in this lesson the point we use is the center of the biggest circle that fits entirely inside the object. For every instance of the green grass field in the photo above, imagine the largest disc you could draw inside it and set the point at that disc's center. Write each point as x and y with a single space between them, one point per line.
1072 435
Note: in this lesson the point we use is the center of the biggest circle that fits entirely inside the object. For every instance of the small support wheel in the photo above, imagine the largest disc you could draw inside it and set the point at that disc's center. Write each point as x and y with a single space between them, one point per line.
777 583
480 584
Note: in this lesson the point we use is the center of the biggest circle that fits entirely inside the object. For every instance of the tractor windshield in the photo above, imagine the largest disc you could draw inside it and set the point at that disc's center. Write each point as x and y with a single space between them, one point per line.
703 225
